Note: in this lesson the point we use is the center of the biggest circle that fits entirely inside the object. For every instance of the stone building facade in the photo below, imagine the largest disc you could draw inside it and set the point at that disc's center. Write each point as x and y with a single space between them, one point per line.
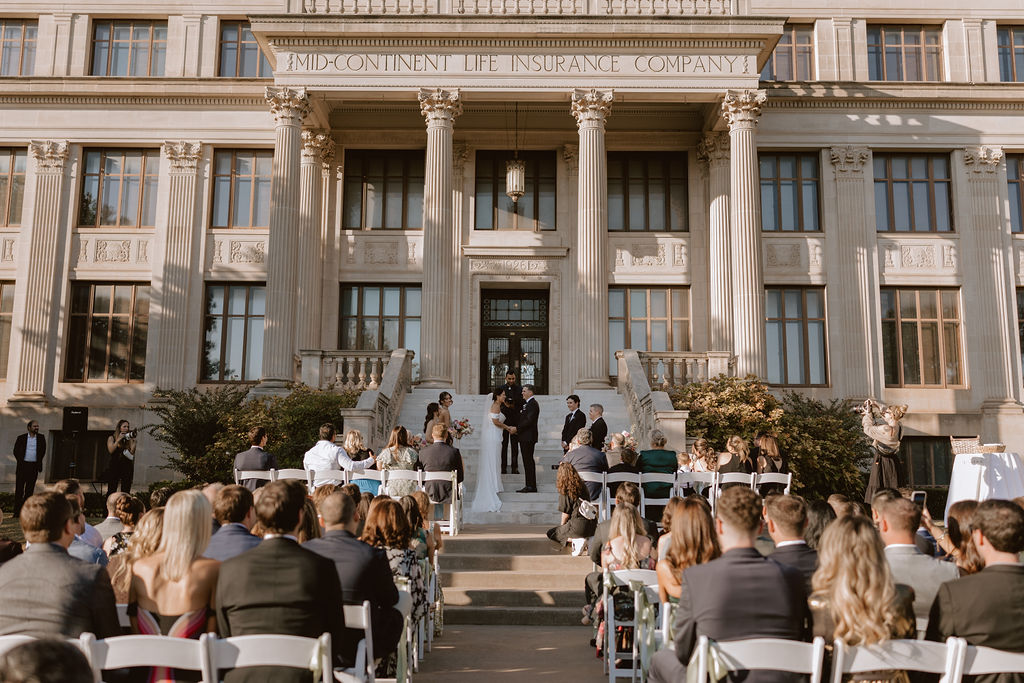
192 194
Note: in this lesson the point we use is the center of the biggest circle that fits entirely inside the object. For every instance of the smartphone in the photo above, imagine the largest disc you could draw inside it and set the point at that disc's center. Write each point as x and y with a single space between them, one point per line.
918 497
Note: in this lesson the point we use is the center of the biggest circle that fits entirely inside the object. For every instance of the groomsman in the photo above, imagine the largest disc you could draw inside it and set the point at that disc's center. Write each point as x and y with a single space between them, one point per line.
510 409
598 428
574 421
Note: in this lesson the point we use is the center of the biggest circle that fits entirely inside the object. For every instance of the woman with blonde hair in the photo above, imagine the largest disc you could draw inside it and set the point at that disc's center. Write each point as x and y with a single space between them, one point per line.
735 459
357 450
691 540
143 543
853 594
398 455
172 590
703 457
628 547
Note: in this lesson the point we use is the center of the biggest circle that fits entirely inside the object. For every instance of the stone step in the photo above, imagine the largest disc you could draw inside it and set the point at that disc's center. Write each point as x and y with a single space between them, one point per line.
519 580
513 563
539 518
462 544
541 598
513 616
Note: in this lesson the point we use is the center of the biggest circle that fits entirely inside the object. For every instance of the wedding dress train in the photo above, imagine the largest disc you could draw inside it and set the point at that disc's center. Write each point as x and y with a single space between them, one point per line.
488 480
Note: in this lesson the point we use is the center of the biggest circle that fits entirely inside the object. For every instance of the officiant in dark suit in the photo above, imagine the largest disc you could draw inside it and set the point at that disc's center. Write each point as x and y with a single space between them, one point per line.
526 430
510 409
574 421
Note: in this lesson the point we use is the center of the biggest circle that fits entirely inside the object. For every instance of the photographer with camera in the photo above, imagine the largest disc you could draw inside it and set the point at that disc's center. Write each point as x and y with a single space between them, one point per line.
881 424
121 469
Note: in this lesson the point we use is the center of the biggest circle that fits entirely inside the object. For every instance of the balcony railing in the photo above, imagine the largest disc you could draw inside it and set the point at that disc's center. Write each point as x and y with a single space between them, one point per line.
669 368
340 370
520 7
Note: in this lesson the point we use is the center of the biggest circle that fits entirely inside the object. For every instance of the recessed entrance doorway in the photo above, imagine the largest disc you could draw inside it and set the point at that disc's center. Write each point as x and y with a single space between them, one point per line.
514 326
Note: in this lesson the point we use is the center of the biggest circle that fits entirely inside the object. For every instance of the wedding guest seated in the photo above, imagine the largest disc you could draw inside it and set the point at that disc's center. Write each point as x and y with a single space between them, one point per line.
955 541
9 549
210 492
419 534
586 458
839 503
47 660
46 592
926 544
398 455
279 586
112 524
79 549
739 595
440 457
819 515
786 519
855 599
428 423
326 455
363 509
627 464
357 450
660 460
234 509
320 495
364 574
159 497
310 527
70 487
613 453
435 540
575 526
143 543
129 510
735 459
256 458
987 608
691 540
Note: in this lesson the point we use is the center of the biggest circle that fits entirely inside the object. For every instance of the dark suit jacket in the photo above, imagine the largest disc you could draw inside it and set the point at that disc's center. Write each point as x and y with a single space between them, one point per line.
440 457
526 427
19 448
588 459
600 537
47 592
278 587
231 540
740 595
574 422
987 609
801 556
364 574
255 459
514 396
599 429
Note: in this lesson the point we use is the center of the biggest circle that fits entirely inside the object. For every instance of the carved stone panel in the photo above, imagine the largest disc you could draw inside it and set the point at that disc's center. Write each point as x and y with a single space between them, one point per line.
370 250
643 254
919 257
794 256
100 251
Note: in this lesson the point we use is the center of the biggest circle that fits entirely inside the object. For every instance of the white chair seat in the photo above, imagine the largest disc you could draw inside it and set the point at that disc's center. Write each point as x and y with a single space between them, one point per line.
909 655
273 650
123 652
764 653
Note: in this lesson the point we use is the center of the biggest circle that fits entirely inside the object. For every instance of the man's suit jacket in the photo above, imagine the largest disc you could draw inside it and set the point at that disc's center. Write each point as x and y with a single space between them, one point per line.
440 457
526 427
987 609
109 526
600 537
924 574
574 422
47 592
255 459
798 555
19 448
740 595
588 459
231 540
599 430
364 574
278 587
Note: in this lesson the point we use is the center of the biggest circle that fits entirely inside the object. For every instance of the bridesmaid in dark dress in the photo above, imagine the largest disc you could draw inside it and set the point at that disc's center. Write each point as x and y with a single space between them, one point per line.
735 459
571 490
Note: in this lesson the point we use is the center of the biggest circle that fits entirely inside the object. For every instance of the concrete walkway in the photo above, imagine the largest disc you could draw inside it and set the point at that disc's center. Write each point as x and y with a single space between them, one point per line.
499 654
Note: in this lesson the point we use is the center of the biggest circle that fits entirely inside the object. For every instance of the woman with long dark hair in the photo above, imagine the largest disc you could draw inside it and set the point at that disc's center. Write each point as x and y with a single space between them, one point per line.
692 541
575 525
398 455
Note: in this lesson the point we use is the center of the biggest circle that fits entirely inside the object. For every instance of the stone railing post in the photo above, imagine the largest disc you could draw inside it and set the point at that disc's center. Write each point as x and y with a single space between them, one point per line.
713 150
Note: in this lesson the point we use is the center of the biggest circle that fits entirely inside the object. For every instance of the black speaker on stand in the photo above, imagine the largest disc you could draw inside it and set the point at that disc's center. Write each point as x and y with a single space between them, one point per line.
74 425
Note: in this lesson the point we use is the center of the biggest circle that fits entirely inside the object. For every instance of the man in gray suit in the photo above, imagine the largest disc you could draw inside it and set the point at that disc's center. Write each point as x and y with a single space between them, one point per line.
586 458
234 511
440 457
46 592
111 525
898 519
255 458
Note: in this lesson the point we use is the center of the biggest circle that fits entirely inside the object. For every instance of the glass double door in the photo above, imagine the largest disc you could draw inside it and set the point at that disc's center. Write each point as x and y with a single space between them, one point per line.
514 324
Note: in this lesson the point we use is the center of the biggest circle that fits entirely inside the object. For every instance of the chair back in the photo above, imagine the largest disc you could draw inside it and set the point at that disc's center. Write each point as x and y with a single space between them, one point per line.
735 478
764 653
622 577
978 661
376 475
240 652
774 478
358 616
122 652
302 475
268 475
122 615
11 642
335 475
909 655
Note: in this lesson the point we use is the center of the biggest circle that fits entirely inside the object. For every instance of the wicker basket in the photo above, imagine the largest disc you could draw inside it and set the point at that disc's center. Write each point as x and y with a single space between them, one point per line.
993 448
965 444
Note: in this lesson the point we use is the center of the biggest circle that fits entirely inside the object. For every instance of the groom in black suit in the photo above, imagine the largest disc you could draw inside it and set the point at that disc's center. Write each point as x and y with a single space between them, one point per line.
526 430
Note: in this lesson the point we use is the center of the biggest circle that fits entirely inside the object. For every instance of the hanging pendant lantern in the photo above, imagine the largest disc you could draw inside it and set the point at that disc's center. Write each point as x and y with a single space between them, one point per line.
515 179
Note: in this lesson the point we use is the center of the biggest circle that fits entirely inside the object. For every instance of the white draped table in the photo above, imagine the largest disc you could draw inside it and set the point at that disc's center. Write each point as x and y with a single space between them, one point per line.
981 476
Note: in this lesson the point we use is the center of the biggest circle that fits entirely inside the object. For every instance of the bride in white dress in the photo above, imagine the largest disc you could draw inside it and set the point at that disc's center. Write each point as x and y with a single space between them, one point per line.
488 481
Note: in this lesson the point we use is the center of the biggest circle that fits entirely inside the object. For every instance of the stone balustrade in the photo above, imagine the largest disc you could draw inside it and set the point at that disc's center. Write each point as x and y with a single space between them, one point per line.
522 7
664 369
378 408
648 409
341 370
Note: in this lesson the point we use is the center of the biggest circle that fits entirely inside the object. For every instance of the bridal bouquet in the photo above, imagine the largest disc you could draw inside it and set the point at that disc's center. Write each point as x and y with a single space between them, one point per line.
460 428
416 441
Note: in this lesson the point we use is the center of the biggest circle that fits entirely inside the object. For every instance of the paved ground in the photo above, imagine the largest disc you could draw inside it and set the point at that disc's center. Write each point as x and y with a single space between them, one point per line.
498 654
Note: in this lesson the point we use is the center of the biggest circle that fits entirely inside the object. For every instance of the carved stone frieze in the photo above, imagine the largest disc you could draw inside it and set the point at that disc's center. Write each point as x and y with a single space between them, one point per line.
511 265
8 250
50 155
460 155
681 256
647 255
218 252
183 155
983 159
742 108
787 255
571 156
440 105
245 251
380 253
713 148
113 251
83 251
898 256
142 252
917 256
591 107
411 256
289 106
849 160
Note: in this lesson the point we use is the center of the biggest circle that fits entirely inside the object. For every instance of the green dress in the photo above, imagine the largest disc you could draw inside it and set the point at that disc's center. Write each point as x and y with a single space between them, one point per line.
661 461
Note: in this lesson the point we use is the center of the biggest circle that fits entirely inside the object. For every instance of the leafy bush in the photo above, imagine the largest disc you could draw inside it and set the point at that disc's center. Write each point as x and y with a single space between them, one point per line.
823 442
203 430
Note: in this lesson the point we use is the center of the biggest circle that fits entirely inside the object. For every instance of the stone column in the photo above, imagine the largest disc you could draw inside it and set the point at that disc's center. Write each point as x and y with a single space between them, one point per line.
317 149
43 245
591 109
713 150
990 316
742 108
852 285
439 108
172 284
289 107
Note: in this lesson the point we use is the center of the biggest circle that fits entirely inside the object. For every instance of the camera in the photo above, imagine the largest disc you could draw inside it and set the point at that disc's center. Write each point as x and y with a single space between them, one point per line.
133 434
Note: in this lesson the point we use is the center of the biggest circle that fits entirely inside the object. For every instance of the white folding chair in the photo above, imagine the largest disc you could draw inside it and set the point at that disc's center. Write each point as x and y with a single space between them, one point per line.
122 615
614 579
774 478
733 478
436 600
122 652
775 654
453 523
11 642
358 616
909 655
265 475
708 480
297 652
376 475
326 475
292 473
977 661
655 478
606 492
598 478
403 475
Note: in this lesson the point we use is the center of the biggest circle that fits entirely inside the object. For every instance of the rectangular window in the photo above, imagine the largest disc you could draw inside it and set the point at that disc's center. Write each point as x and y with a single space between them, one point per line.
912 193
129 47
6 321
1010 45
241 188
233 337
119 188
383 189
12 185
107 332
1015 189
535 210
927 461
240 54
380 318
904 53
795 329
921 337
647 191
647 319
18 47
789 192
793 56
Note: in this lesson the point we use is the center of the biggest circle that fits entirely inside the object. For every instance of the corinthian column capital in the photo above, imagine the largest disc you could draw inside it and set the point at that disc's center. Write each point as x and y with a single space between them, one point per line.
50 155
714 148
848 160
288 105
440 106
317 147
983 159
183 155
742 108
591 107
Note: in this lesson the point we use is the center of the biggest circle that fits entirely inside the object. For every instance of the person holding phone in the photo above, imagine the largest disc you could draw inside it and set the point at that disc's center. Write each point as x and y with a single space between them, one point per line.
121 446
